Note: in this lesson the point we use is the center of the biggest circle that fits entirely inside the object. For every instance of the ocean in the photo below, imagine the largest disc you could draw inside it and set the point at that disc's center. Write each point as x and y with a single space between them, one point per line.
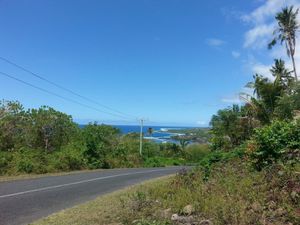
160 133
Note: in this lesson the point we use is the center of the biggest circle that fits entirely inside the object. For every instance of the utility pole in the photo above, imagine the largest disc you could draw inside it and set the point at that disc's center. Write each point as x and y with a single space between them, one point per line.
141 136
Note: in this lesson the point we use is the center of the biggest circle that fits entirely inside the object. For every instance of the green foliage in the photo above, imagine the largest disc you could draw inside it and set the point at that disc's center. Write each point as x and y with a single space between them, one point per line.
149 222
266 94
99 141
170 150
271 100
280 141
288 103
43 128
27 160
45 140
50 129
12 125
199 135
5 160
230 127
196 152
69 158
126 153
214 157
162 162
151 149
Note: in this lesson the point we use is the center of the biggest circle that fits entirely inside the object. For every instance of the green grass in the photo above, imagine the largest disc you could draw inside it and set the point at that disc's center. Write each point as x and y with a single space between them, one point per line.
33 176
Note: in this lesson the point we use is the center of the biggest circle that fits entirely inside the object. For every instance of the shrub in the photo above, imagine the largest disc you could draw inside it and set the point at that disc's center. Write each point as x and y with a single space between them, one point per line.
196 152
151 149
279 141
5 159
68 158
219 156
99 141
28 160
170 150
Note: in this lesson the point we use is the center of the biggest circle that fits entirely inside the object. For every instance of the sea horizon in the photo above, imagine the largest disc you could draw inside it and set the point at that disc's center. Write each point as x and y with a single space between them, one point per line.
160 134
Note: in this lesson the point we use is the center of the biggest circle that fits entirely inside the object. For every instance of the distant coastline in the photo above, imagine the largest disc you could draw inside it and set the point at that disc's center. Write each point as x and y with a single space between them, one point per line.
160 134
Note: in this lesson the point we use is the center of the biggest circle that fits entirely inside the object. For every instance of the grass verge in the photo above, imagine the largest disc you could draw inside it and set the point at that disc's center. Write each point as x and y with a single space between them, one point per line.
33 176
231 193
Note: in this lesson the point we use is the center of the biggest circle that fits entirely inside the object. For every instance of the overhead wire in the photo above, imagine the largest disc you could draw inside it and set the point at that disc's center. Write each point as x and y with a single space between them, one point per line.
66 89
58 95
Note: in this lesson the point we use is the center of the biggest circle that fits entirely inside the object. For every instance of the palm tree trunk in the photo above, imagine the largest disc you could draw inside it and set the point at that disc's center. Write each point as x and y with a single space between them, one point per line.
292 53
294 67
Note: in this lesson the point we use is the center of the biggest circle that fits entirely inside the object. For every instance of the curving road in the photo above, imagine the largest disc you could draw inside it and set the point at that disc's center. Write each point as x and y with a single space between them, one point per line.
23 201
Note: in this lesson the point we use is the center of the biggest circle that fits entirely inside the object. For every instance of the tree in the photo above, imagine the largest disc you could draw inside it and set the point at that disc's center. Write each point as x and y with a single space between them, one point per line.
230 127
12 125
288 105
49 129
150 131
265 94
287 32
183 142
268 96
281 74
100 141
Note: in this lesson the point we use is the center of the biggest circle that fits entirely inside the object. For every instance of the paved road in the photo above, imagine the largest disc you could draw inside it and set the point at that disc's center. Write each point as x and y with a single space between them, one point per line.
24 201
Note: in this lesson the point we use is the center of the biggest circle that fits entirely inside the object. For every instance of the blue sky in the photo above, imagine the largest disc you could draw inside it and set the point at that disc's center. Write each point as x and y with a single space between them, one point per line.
174 62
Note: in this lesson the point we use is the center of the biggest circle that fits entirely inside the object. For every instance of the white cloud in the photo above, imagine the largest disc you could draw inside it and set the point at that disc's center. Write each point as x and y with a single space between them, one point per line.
262 21
263 70
265 11
215 42
232 99
259 36
235 54
201 122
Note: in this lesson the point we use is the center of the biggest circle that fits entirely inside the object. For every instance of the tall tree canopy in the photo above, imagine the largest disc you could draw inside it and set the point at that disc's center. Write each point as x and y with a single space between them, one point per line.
286 32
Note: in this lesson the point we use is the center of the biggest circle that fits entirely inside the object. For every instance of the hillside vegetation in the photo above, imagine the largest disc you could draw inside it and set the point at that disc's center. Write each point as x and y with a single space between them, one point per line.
44 140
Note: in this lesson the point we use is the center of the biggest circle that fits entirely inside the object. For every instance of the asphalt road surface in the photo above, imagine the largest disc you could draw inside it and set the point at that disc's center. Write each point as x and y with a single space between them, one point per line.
24 201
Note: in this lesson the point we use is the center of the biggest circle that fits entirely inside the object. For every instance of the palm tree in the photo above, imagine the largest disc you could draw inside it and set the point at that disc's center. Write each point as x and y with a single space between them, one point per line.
281 74
150 131
287 32
264 98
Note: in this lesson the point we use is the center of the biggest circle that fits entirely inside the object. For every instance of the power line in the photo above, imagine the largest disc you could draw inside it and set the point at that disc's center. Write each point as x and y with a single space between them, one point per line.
66 89
59 96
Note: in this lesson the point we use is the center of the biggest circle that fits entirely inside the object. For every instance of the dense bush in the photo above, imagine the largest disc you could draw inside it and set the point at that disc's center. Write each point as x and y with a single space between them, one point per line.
45 140
170 150
126 153
69 158
49 129
196 152
100 140
43 128
279 141
208 161
231 127
27 160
